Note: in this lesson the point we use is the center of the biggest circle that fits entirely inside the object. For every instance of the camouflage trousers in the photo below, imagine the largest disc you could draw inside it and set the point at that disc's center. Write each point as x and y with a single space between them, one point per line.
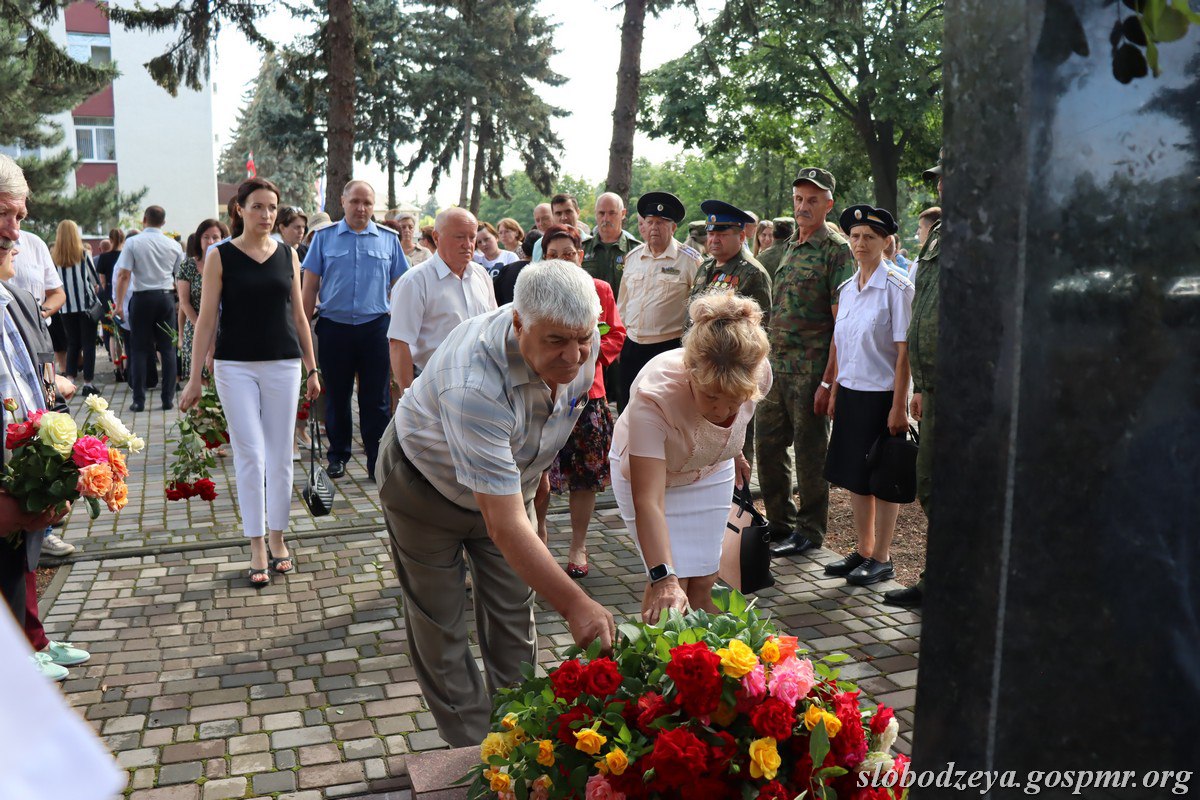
925 455
785 418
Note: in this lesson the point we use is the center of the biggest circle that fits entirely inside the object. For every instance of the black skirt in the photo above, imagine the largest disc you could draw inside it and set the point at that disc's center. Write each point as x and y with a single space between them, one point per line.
859 419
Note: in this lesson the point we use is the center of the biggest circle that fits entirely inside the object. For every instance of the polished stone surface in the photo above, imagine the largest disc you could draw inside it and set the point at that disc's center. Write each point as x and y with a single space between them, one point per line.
1063 590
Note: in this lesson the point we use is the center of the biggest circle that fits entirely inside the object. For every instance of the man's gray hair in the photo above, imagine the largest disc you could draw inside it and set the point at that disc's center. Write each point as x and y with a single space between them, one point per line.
557 292
449 213
12 178
349 187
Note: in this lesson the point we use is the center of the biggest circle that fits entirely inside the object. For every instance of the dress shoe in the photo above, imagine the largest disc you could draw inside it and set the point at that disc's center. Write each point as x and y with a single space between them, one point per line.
167 405
794 545
871 571
137 407
844 566
336 469
905 598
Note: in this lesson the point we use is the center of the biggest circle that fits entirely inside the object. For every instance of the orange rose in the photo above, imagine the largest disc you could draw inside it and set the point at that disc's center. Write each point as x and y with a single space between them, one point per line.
95 480
116 460
117 496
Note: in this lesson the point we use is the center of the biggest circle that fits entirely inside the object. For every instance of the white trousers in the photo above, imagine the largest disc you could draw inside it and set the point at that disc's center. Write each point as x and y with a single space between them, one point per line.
260 398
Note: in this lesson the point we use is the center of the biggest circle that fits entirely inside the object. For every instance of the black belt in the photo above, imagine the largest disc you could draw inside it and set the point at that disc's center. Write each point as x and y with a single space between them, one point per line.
154 291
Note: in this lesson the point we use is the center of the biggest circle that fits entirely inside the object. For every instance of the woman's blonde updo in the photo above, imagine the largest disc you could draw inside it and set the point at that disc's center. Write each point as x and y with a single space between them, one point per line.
726 346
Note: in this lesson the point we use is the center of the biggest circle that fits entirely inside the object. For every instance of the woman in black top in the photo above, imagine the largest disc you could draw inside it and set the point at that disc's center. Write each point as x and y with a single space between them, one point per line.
104 270
252 283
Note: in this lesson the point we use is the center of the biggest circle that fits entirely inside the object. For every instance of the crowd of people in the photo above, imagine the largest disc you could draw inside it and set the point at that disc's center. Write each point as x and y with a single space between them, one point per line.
494 366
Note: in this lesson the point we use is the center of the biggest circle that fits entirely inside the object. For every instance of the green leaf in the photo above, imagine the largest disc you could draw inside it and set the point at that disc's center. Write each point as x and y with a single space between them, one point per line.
1170 26
835 658
93 507
593 650
527 670
630 631
662 648
818 744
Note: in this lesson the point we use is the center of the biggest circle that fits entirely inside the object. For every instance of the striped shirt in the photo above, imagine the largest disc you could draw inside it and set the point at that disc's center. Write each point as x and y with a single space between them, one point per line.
79 282
478 419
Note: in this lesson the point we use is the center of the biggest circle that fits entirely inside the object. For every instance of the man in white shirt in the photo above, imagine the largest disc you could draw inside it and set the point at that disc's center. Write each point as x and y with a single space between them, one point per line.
147 267
431 299
36 274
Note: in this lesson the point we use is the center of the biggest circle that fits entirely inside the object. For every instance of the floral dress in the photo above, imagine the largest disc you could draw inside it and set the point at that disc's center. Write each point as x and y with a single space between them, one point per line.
190 273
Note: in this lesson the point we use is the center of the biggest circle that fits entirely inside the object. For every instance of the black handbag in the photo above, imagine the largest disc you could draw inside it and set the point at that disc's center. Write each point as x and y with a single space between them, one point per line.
893 464
97 310
746 552
318 492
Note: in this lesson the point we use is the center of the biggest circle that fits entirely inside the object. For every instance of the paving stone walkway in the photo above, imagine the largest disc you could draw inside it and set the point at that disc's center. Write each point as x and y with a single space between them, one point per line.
207 689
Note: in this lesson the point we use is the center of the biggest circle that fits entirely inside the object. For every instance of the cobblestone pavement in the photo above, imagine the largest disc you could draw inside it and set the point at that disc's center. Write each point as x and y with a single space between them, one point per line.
207 689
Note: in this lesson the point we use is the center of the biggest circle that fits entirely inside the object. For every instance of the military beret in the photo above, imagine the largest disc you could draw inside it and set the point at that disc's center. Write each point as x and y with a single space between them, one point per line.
878 218
816 176
719 215
661 204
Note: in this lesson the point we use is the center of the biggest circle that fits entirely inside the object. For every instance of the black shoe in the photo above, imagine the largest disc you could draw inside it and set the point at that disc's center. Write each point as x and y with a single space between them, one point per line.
905 598
871 571
88 390
137 407
844 566
336 469
794 545
167 405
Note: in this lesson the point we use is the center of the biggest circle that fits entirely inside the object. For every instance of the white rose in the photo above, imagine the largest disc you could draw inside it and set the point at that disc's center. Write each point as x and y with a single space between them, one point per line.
136 444
888 737
114 429
96 403
876 759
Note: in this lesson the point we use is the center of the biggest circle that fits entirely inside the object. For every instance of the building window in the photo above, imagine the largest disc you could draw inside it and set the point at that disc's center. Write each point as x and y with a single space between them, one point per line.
95 139
93 48
17 151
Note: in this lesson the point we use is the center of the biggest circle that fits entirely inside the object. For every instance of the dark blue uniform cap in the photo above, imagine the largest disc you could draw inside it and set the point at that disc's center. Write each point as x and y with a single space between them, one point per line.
719 215
878 218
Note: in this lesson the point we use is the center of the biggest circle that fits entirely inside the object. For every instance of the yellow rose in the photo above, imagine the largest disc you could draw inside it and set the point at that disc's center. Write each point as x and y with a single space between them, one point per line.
812 717
500 781
617 761
494 744
833 725
588 741
725 714
509 722
769 652
764 759
737 659
96 403
517 736
58 431
545 755
136 444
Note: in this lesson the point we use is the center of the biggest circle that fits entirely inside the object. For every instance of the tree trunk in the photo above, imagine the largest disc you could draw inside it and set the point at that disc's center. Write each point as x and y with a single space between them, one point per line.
884 155
339 49
629 79
466 156
391 170
483 141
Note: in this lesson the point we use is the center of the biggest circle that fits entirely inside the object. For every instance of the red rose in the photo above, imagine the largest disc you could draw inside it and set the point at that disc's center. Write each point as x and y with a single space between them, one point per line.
883 716
694 669
849 747
631 783
651 706
567 680
601 678
723 753
173 493
712 788
18 433
678 758
206 489
774 791
772 717
565 733
35 417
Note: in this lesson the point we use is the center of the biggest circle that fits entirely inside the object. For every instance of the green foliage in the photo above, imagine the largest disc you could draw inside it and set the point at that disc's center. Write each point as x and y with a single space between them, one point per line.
1135 38
860 78
274 126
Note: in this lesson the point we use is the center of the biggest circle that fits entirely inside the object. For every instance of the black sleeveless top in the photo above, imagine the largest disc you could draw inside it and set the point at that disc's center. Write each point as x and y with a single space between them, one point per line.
256 318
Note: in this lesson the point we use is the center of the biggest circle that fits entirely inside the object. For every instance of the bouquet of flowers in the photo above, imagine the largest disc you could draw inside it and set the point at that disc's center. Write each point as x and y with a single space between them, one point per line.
698 706
191 474
55 461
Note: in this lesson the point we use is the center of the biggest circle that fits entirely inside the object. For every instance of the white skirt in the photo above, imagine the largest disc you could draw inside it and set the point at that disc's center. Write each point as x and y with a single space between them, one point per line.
696 516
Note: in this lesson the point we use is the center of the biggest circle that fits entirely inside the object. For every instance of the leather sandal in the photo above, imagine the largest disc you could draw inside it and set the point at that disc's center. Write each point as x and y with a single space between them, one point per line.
577 571
273 564
253 573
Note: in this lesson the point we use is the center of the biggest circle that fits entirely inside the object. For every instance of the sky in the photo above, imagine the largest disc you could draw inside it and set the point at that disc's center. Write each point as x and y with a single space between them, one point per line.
589 41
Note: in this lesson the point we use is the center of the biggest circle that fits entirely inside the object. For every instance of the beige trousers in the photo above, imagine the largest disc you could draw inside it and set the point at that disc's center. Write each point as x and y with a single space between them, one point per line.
429 535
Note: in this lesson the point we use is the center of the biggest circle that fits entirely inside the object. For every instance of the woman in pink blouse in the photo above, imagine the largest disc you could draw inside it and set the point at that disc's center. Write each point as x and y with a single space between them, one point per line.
677 448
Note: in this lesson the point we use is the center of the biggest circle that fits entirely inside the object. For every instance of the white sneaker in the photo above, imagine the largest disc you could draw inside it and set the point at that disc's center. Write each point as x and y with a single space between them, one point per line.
48 668
54 546
65 654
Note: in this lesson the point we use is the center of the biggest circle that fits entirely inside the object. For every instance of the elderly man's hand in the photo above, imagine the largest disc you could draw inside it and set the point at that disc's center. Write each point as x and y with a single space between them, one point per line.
915 407
588 621
64 386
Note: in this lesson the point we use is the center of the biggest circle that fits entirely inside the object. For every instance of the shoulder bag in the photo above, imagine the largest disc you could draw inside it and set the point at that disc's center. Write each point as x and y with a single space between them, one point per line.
745 552
318 492
893 464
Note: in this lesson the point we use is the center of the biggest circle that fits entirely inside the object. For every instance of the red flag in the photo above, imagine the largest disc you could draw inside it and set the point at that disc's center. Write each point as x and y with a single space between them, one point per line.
250 170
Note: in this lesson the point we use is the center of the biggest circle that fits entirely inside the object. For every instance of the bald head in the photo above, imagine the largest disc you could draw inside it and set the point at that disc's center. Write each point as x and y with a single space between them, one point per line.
610 217
543 217
455 230
358 204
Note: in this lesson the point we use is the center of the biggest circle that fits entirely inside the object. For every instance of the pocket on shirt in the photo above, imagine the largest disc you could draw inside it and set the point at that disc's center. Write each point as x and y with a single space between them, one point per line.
881 318
336 255
380 257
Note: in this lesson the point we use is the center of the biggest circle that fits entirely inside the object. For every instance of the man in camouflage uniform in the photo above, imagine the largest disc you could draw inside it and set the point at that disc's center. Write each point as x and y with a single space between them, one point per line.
803 309
783 228
728 263
605 250
922 354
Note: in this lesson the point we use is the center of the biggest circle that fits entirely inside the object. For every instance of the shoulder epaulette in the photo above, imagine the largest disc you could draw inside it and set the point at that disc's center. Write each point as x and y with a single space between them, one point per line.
898 278
691 252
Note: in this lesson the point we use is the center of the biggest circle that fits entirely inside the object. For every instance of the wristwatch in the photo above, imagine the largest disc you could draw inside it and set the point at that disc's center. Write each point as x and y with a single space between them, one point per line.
661 572
826 386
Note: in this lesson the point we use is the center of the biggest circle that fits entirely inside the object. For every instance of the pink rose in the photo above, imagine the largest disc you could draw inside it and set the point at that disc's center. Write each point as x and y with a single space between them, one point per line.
792 679
598 788
754 683
89 450
34 417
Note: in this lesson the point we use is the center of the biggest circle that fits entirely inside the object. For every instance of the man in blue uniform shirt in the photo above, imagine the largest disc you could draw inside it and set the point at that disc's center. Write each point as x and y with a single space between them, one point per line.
349 271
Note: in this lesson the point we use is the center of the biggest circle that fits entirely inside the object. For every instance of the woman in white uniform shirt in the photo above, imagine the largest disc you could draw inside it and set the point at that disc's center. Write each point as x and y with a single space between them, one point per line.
870 340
